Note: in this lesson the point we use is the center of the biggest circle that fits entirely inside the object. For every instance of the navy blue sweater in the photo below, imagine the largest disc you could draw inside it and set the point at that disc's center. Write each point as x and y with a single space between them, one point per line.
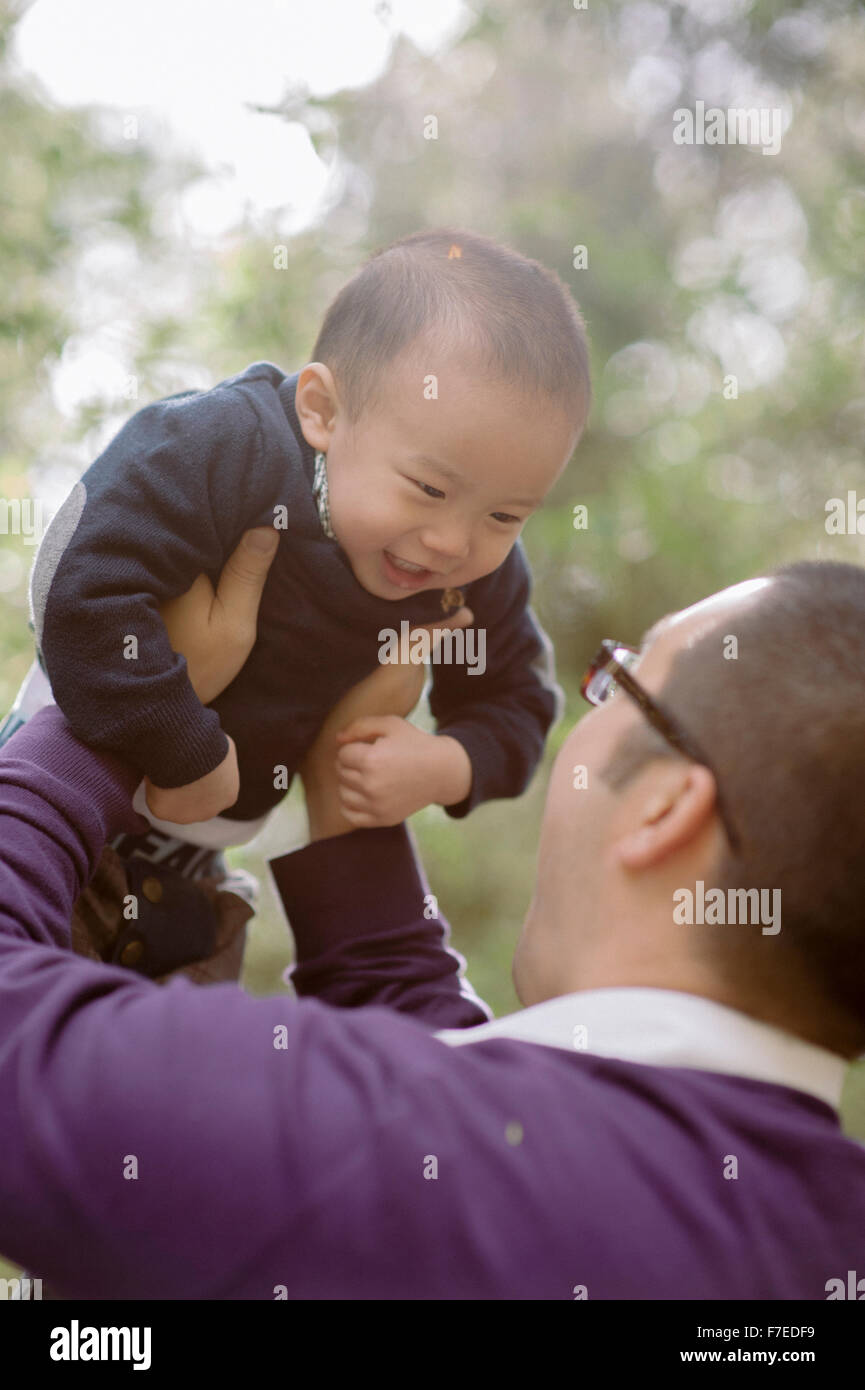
170 498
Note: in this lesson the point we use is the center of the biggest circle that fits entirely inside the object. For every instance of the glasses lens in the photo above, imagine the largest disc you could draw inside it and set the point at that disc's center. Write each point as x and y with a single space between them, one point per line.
597 685
600 684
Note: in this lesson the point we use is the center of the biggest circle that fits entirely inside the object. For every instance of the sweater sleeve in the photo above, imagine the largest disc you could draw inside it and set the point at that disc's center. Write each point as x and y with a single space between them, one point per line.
167 500
59 803
132 1113
502 714
367 929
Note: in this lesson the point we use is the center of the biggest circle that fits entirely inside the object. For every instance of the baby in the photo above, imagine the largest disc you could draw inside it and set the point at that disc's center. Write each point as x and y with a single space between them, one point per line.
447 390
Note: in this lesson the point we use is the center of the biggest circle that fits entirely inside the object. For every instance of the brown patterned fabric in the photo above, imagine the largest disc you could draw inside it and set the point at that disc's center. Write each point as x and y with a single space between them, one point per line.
97 920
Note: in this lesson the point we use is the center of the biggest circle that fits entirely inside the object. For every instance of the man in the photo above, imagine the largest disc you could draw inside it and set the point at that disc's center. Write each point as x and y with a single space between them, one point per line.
659 1122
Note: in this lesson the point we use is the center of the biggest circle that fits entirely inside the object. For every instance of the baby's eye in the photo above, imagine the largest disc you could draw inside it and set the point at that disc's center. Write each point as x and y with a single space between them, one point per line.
503 516
430 491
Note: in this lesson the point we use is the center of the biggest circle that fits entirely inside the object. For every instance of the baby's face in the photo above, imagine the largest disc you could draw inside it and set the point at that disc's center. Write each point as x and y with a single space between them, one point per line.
431 494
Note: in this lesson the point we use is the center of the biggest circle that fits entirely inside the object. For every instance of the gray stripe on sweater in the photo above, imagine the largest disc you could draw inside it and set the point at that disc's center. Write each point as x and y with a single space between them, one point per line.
59 533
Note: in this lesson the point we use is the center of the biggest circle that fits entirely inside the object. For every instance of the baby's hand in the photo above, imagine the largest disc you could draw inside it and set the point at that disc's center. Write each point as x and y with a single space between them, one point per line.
200 800
388 769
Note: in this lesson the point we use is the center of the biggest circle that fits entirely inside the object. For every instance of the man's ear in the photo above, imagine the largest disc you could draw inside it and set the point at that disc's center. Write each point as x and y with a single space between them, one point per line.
674 811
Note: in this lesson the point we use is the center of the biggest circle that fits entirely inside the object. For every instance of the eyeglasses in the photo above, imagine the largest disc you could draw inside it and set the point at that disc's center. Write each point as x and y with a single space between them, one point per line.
607 672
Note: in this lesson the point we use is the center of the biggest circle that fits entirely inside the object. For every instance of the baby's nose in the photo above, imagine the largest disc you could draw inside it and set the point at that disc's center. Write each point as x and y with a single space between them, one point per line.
453 542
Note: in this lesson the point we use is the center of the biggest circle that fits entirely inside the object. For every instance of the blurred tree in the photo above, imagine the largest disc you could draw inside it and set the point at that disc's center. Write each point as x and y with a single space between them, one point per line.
63 190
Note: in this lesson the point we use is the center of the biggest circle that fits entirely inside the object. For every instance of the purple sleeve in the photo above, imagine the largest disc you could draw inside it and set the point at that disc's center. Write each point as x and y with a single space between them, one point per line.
59 802
367 929
171 1142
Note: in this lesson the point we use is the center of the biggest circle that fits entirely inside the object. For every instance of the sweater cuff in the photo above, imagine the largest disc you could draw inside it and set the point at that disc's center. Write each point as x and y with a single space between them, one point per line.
485 756
183 741
98 781
369 876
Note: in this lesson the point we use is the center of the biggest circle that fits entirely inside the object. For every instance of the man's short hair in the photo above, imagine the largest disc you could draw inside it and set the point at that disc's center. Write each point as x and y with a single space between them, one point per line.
784 726
512 315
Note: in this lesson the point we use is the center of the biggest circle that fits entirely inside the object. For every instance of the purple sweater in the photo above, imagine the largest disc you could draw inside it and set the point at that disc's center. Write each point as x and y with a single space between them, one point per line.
332 1144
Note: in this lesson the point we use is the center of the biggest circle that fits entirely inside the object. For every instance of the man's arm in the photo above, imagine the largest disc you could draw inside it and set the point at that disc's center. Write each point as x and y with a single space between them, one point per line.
347 878
502 715
166 501
133 1113
368 930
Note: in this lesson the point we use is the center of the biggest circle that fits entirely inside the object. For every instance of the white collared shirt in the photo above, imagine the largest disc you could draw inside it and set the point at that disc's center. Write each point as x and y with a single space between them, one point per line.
668 1028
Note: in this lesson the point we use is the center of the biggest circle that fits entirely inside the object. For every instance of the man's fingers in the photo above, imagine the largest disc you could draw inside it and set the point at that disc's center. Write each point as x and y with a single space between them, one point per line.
461 618
244 573
464 617
200 594
199 589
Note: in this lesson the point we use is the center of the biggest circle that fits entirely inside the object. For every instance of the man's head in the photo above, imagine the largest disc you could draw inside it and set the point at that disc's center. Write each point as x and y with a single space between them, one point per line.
448 392
768 678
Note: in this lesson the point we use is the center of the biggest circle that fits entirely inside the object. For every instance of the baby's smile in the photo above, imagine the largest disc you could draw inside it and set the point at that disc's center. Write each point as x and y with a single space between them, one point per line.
405 574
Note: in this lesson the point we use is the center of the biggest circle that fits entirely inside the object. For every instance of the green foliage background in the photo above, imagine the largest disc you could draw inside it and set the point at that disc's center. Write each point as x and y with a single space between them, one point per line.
554 130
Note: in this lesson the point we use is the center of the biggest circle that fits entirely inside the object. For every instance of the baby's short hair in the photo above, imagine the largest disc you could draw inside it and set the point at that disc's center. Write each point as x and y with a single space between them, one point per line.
449 288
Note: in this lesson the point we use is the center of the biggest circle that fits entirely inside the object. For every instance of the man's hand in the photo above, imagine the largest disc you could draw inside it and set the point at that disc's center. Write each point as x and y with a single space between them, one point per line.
388 769
216 631
200 800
